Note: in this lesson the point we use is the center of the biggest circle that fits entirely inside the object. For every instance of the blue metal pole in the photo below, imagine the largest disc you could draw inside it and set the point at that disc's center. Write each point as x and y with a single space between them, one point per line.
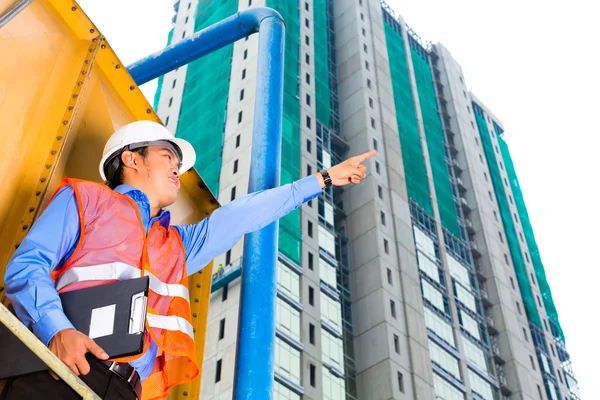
254 370
256 341
212 38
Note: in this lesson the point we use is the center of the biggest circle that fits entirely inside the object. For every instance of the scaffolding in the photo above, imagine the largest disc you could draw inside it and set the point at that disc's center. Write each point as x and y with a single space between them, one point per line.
417 183
534 252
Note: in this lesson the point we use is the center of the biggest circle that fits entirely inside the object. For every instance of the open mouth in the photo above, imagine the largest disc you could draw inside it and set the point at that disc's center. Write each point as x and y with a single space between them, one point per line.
175 181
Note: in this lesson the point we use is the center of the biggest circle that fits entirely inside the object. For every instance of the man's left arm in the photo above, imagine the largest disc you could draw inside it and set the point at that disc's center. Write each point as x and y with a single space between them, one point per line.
225 227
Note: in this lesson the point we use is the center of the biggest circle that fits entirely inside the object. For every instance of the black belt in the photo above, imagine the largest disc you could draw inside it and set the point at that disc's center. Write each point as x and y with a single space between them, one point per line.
128 374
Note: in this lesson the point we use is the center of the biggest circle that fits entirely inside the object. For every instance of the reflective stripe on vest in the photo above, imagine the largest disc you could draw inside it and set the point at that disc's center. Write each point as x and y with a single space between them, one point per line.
171 323
119 271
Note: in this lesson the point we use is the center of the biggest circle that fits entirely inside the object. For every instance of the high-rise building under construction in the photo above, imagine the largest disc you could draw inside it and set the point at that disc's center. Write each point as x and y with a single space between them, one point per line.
423 282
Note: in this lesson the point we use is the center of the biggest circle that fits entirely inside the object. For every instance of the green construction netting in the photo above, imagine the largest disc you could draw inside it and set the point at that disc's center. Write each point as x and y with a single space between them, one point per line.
507 220
290 236
434 134
530 239
205 96
410 140
160 78
321 60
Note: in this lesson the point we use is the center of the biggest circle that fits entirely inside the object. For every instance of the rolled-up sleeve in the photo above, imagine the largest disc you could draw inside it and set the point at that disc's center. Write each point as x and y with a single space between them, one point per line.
27 280
226 226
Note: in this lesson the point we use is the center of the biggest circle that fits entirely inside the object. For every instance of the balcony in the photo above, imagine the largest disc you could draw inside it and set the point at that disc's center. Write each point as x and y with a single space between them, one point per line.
496 351
226 274
491 325
474 249
469 225
485 298
465 205
457 165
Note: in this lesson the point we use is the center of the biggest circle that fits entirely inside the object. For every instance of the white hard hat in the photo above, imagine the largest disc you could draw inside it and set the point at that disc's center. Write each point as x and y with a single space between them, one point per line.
141 132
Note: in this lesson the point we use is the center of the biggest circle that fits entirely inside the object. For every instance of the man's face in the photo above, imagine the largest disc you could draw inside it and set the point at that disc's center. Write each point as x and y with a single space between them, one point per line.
162 169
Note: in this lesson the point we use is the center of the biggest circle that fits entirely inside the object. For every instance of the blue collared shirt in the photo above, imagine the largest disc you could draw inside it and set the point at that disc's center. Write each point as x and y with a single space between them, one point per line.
54 236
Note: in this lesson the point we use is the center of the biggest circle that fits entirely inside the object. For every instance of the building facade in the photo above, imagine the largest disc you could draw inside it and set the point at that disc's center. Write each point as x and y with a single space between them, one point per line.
424 281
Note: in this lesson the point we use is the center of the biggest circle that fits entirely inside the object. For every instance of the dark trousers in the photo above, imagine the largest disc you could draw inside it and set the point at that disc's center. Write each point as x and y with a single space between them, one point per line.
41 385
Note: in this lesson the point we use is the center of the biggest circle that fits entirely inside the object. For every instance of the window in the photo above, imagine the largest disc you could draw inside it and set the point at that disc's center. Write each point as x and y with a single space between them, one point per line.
397 344
474 354
288 319
469 324
368 83
510 199
308 99
326 240
552 349
313 371
189 5
539 300
222 329
490 195
333 350
310 229
501 166
244 74
546 325
242 95
446 391
372 122
240 116
516 219
364 33
506 259
393 308
307 40
327 273
386 247
481 159
370 102
382 215
311 333
380 191
235 166
532 277
307 78
237 140
288 281
433 296
308 122
480 386
167 121
307 59
500 237
309 203
245 54
468 109
444 359
365 48
532 362
186 19
306 23
218 371
233 193
306 6
308 170
287 361
331 311
367 65
334 388
310 261
283 393
525 334
495 215
170 102
512 283
377 167
527 257
374 144
505 181
458 271
389 276
183 35
362 17
400 382
466 298
439 326
228 257
224 293
174 83
311 296
519 308
540 392
308 146
249 3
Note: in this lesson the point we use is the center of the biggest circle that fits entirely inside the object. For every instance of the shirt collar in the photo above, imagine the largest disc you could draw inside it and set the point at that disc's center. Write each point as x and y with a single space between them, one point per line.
142 201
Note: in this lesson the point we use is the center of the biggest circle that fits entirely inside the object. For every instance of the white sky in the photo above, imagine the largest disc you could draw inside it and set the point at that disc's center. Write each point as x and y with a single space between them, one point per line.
535 65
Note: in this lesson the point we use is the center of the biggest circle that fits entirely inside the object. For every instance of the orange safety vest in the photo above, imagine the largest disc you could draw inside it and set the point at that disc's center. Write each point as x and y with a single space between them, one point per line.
113 246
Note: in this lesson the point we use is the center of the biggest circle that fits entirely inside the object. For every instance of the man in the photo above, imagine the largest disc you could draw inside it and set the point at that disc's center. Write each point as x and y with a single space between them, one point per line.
92 234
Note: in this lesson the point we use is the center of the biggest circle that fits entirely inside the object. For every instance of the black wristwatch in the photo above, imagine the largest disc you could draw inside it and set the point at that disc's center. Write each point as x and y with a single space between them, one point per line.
326 177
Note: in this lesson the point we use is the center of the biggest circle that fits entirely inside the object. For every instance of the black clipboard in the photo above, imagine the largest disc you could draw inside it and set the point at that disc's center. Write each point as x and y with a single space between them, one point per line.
116 312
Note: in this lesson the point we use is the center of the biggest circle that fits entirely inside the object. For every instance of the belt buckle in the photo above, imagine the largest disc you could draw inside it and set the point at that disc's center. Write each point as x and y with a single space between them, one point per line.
112 369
